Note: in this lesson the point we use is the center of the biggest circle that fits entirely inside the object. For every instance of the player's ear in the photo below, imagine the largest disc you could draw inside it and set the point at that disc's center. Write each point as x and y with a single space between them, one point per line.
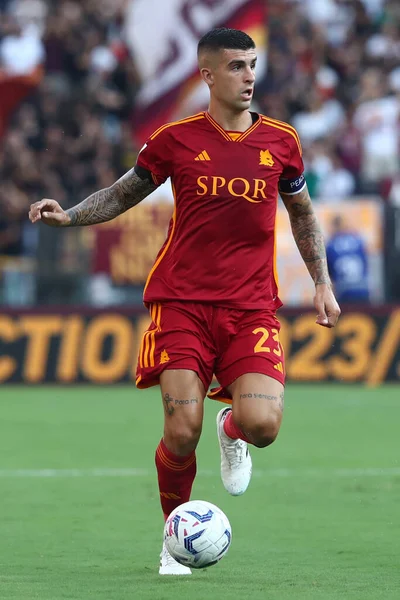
207 76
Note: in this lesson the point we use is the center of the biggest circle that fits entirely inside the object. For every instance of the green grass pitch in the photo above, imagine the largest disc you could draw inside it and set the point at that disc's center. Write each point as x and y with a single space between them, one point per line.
80 516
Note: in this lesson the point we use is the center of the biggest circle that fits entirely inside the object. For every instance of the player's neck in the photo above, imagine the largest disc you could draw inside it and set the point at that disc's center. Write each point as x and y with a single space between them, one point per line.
229 120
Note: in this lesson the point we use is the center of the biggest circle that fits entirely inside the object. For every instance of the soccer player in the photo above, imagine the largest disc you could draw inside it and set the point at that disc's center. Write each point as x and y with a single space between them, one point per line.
212 292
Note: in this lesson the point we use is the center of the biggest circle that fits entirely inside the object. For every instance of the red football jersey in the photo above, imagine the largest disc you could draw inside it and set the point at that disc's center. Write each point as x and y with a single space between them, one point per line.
220 247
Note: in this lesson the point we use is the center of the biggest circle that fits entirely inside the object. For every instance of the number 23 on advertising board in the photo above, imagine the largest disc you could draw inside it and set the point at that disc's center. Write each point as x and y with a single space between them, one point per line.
317 353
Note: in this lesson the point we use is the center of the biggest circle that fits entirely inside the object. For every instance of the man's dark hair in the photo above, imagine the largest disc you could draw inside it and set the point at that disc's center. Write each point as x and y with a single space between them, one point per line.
225 39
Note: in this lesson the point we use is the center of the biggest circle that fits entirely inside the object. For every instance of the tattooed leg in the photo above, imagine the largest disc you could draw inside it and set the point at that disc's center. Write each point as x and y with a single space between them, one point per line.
256 396
182 396
257 407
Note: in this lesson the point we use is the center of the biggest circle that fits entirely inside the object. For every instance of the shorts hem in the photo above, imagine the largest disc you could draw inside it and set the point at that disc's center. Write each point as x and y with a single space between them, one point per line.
249 365
152 379
222 394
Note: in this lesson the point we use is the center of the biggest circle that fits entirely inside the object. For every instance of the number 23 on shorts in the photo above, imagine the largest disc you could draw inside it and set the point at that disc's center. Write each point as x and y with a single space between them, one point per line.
264 336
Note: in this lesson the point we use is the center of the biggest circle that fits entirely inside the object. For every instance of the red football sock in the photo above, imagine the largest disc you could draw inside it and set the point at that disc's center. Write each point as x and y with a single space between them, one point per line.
232 430
175 477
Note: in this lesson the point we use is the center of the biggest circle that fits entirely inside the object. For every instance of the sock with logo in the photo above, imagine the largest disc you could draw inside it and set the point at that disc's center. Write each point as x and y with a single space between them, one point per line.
232 430
175 477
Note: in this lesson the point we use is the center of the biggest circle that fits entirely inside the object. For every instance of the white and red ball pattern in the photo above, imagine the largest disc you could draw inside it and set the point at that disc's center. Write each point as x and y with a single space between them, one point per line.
197 534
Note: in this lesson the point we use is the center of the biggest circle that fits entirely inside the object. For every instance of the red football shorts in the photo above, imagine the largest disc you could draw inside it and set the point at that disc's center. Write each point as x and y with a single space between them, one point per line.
210 340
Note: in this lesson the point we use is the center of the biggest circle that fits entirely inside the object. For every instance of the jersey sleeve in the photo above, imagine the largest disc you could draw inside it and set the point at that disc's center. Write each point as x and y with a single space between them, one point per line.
292 180
155 157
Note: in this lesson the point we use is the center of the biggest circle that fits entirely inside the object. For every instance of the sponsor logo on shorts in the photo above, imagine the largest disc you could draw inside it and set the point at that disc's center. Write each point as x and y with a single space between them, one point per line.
164 358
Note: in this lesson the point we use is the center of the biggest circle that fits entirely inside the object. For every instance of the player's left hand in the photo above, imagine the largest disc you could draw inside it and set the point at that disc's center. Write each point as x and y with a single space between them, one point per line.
327 308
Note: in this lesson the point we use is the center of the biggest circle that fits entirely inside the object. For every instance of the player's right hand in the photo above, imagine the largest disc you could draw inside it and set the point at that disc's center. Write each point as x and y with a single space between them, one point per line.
49 212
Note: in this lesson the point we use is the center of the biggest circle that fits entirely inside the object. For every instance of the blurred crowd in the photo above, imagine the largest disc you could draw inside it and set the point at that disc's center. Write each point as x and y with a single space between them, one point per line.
333 72
70 134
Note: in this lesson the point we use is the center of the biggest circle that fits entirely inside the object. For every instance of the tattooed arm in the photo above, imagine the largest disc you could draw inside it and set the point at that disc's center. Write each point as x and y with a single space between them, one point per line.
101 206
307 234
310 242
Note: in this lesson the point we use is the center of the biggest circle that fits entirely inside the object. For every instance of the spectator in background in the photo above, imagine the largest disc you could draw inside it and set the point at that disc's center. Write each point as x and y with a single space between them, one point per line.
327 178
347 263
377 120
21 50
29 14
12 216
321 118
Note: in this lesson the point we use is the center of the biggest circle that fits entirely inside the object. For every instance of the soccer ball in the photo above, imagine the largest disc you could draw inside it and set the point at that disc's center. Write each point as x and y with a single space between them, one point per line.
197 534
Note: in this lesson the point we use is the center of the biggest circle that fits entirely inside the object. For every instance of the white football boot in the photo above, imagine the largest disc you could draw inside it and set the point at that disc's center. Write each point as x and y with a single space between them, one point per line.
235 459
169 566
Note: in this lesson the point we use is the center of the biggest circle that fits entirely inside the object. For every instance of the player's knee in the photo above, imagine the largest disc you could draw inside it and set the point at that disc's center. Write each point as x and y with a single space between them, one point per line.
265 431
182 438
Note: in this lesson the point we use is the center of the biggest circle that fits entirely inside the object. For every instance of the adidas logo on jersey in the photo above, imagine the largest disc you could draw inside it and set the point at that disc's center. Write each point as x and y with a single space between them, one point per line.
203 156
